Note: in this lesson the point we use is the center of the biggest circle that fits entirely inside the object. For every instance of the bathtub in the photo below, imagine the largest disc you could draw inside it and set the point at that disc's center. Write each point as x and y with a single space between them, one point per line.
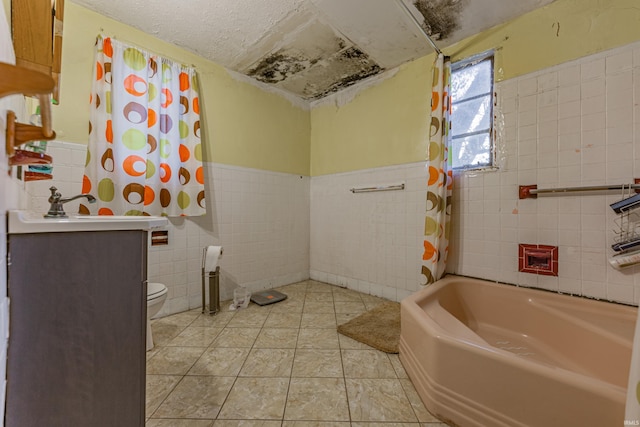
486 354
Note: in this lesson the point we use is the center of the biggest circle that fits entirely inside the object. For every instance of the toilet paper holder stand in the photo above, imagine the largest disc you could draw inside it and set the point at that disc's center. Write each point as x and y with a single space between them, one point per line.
213 277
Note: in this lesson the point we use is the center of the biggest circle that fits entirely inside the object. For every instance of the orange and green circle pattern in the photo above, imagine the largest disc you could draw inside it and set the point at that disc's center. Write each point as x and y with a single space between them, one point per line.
144 153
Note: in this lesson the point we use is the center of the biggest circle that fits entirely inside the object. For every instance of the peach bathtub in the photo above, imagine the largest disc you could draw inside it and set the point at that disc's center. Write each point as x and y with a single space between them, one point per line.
487 354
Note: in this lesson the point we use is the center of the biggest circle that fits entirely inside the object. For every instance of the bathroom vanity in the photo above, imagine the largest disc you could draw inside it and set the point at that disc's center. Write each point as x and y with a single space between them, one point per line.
77 322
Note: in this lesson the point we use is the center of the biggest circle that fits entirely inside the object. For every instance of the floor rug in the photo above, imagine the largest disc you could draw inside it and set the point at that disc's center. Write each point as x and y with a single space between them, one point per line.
378 327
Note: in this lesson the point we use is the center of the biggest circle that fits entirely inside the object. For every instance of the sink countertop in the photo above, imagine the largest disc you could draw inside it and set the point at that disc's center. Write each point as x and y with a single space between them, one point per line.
24 222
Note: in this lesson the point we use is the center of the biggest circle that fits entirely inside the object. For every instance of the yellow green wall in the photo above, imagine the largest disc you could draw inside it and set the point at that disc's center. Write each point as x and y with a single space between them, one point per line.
245 125
387 124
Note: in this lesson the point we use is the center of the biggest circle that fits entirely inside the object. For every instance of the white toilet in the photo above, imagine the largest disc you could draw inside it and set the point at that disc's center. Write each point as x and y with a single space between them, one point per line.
156 295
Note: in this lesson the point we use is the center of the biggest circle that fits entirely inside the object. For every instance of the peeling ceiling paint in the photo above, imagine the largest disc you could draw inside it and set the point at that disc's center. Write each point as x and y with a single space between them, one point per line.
311 48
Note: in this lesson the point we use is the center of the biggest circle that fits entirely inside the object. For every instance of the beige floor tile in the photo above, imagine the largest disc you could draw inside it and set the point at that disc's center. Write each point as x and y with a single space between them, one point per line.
317 363
319 296
346 295
256 398
277 338
367 364
353 307
397 366
280 365
318 307
314 286
158 388
220 361
236 337
322 399
268 362
342 318
318 338
246 423
164 332
152 352
424 416
179 319
178 423
218 320
290 305
283 319
195 336
173 360
347 343
363 424
381 400
371 301
196 397
249 318
315 424
318 320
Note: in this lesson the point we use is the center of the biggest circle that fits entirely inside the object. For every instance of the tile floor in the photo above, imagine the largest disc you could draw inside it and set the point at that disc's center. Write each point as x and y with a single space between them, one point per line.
277 365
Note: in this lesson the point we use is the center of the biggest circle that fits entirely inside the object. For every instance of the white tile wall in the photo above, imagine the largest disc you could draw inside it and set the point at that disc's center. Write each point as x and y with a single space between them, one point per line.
371 242
260 218
571 125
68 169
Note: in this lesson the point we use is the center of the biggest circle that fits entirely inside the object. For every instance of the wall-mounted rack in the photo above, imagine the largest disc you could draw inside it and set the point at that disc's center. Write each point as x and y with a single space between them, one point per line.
19 80
532 191
380 188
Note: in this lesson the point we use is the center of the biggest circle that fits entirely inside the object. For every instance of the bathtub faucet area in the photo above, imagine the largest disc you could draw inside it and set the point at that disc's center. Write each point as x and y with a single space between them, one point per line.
56 210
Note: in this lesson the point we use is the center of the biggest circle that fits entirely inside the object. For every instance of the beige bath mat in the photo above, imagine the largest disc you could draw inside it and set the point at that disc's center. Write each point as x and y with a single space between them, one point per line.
378 327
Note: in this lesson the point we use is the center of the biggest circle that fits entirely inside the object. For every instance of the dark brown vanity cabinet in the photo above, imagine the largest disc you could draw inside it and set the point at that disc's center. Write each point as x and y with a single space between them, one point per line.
77 329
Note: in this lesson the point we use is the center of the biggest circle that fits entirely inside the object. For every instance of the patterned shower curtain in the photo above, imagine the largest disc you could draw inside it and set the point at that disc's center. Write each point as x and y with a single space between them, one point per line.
144 155
438 215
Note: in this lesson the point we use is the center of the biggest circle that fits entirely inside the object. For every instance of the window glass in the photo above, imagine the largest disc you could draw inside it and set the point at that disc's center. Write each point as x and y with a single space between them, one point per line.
472 113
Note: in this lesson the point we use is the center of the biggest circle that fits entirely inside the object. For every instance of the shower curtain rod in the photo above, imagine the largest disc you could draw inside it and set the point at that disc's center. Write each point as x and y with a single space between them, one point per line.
413 18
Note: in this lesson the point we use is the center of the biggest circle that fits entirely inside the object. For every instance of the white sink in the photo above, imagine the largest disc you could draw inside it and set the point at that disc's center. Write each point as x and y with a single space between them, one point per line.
23 222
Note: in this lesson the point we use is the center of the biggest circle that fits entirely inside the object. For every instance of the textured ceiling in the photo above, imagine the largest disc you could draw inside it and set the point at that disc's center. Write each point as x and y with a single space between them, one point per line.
311 48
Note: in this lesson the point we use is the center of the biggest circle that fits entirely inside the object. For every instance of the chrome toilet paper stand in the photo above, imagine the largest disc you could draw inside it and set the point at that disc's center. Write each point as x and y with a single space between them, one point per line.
213 278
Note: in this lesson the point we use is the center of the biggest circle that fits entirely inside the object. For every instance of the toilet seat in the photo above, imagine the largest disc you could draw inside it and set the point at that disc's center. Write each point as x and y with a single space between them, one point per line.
155 290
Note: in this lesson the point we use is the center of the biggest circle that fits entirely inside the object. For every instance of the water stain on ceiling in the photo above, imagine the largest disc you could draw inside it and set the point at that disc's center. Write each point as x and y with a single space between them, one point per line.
311 48
440 17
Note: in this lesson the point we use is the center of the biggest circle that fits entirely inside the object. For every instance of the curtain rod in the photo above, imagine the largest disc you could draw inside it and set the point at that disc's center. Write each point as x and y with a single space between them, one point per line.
413 18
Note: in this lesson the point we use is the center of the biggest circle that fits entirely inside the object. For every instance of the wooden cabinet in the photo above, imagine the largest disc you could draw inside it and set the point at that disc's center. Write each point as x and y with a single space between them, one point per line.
77 329
37 36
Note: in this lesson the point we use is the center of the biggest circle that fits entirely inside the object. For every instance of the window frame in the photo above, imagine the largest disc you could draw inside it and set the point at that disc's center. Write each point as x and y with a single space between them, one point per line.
460 65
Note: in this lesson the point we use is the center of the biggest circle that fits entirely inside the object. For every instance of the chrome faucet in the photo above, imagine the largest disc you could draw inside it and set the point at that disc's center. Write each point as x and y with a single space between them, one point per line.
56 210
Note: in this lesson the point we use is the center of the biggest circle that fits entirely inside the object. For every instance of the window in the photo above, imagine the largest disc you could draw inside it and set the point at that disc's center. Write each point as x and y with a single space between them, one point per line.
472 113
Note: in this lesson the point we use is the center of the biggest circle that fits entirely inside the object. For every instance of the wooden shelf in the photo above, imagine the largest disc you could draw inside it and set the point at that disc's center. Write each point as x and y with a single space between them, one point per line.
19 80
16 80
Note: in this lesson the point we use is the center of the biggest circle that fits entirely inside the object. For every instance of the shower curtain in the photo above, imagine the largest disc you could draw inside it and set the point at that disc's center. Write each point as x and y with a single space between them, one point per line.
440 179
144 155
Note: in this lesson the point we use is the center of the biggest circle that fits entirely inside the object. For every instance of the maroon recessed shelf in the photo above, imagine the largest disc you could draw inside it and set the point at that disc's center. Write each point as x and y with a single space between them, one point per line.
538 259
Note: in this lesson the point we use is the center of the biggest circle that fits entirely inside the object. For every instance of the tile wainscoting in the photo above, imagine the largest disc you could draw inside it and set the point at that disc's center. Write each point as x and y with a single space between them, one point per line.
260 218
576 124
369 242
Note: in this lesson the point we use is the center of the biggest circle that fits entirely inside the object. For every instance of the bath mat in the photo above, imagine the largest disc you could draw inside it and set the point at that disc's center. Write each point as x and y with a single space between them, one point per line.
378 328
